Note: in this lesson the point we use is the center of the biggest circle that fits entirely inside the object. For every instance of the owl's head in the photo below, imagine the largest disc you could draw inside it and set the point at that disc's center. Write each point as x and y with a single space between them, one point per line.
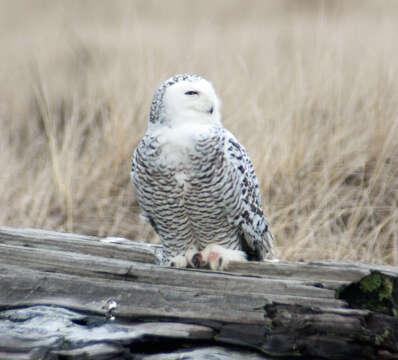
185 97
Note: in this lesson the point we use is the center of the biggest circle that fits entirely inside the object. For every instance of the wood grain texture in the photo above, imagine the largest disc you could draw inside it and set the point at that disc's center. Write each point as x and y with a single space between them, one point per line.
266 309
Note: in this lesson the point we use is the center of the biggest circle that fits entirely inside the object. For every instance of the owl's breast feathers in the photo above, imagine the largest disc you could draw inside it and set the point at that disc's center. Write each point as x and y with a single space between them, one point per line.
207 178
179 153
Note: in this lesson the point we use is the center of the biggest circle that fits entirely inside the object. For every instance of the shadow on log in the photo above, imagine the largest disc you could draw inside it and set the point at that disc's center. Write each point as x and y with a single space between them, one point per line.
67 296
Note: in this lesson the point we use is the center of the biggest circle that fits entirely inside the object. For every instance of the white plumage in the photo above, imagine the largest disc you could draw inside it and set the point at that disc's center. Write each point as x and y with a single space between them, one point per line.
195 183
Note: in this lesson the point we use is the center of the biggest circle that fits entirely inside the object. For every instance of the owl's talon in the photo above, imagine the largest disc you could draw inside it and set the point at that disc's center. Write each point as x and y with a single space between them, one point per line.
196 260
191 257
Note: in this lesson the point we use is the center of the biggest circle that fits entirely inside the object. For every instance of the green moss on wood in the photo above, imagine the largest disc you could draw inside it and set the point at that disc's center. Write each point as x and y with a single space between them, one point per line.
379 338
371 283
268 324
376 292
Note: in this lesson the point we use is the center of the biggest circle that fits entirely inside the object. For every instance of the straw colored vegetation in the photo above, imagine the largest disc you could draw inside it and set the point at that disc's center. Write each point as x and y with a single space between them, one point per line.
309 87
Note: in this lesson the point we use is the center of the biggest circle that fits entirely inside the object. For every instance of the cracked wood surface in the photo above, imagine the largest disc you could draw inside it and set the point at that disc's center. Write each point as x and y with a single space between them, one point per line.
282 309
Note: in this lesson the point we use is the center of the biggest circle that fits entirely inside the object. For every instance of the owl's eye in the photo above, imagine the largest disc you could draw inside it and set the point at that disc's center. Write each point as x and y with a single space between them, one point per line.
192 92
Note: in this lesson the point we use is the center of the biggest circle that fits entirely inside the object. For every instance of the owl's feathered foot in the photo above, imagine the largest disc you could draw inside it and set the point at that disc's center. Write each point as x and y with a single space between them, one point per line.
217 257
189 259
213 256
179 261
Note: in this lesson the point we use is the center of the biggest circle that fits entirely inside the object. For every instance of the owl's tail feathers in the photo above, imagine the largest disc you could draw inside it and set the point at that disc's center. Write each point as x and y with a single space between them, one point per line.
269 248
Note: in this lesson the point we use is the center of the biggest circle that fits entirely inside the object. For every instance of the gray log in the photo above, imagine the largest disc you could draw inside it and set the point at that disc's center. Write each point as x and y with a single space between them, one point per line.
69 283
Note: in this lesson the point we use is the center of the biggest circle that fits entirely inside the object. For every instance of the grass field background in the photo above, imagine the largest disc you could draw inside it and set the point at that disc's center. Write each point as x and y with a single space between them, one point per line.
309 87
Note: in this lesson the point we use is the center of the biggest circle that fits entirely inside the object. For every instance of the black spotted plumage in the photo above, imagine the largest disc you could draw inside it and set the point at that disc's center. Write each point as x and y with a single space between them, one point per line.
201 190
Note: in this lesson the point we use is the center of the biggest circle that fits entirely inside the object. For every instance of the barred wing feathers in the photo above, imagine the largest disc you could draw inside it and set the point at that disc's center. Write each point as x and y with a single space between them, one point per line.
246 210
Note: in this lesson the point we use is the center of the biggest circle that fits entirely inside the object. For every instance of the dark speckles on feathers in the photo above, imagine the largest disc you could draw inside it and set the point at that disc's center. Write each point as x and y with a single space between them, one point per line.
235 144
255 209
219 199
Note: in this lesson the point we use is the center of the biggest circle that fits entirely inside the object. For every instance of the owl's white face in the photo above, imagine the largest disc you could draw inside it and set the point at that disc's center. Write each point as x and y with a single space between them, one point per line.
191 102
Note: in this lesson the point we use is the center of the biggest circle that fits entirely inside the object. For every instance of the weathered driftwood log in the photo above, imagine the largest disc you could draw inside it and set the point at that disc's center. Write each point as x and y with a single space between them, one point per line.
67 296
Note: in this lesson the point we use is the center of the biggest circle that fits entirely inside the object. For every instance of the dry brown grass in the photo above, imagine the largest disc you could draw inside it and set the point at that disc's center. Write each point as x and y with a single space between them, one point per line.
310 88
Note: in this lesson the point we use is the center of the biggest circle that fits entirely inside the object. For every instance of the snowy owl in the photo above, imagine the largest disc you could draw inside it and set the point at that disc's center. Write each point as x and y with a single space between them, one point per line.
195 183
